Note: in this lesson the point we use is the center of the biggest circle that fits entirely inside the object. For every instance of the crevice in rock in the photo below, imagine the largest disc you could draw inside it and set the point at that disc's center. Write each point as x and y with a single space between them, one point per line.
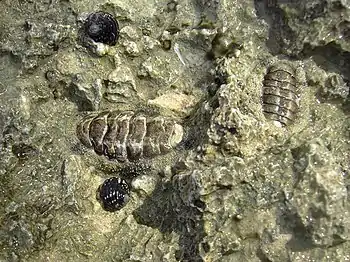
279 33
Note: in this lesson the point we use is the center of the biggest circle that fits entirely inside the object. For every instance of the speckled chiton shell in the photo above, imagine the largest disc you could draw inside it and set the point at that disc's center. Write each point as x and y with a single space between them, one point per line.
279 94
128 135
113 194
102 27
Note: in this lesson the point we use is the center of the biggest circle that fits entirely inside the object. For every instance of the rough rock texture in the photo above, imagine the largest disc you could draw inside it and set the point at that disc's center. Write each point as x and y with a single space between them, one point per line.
237 188
319 194
315 23
318 29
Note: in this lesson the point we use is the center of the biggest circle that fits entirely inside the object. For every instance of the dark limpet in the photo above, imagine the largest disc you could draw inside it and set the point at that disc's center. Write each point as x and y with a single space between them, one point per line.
113 194
102 28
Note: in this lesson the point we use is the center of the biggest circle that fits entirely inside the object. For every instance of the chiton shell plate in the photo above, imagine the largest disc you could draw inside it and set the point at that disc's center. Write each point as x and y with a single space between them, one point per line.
279 94
128 135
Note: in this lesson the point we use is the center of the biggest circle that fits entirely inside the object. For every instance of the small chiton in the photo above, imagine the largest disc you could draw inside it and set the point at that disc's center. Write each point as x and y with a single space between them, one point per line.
113 194
279 94
128 135
102 28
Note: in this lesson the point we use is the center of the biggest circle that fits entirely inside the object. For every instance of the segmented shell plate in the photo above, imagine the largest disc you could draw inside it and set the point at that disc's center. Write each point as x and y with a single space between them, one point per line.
279 94
128 136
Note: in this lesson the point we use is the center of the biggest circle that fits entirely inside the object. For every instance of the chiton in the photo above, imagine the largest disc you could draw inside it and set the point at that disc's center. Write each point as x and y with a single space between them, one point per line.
128 135
102 27
113 194
279 94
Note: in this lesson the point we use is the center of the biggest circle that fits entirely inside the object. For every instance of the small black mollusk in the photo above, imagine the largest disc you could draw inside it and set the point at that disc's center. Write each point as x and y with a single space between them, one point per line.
102 27
113 194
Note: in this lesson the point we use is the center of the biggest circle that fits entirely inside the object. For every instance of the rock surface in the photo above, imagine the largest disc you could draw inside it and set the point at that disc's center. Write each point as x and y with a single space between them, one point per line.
237 188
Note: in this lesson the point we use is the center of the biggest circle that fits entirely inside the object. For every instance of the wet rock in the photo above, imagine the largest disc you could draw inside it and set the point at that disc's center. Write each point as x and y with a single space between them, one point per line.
120 85
336 253
149 43
175 101
235 125
218 207
100 49
275 250
34 40
188 188
130 41
253 226
165 40
299 24
319 198
144 184
78 186
225 201
131 48
163 72
130 32
70 172
2 125
224 44
208 9
334 89
49 35
20 236
24 151
87 96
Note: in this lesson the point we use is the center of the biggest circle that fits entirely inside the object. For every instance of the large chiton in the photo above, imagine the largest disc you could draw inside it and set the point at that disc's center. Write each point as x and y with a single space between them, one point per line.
279 94
128 135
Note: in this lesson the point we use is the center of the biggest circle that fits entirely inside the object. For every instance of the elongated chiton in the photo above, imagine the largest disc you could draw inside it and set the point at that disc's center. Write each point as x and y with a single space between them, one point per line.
128 135
279 94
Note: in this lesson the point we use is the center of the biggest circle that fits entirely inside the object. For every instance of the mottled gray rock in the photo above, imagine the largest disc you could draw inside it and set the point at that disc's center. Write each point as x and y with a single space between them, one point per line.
163 72
20 236
225 198
232 196
334 89
236 125
70 177
144 184
86 95
337 253
295 25
319 198
32 39
130 38
276 249
121 85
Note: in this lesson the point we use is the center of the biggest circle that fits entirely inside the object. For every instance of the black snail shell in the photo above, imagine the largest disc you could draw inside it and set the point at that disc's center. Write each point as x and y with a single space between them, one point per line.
102 28
128 135
279 94
113 194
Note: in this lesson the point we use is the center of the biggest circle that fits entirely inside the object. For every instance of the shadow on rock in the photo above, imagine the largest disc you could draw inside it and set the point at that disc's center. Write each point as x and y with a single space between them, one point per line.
165 210
279 33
